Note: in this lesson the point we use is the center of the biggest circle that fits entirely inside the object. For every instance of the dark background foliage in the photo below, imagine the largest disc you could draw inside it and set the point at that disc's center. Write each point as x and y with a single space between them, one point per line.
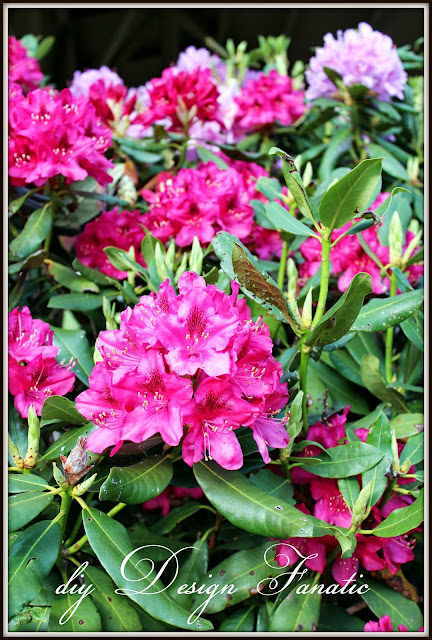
140 42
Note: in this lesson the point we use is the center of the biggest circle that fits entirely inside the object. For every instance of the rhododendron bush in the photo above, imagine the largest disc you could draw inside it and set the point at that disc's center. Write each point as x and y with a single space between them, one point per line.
215 341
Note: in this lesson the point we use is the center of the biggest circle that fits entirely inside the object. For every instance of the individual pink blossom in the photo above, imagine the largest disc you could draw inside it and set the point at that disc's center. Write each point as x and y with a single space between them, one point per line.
114 228
83 80
268 99
22 69
171 495
384 624
330 505
28 337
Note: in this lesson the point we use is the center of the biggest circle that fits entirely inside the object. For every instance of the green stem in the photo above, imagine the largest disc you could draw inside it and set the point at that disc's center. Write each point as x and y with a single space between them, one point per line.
389 336
282 264
77 524
81 542
304 361
325 268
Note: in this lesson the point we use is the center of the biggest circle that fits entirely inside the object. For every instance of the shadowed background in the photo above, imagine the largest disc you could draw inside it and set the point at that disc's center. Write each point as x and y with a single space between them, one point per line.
140 42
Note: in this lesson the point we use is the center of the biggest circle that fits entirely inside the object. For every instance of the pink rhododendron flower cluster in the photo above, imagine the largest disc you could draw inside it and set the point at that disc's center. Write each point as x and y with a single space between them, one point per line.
384 624
55 134
348 257
121 229
171 496
202 201
360 56
267 99
22 69
193 364
33 372
373 552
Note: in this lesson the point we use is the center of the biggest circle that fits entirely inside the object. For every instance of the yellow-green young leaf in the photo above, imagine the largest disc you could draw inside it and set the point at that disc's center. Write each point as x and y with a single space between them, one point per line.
373 381
347 460
24 507
399 521
384 601
138 483
31 558
110 542
84 619
297 611
381 313
350 195
35 231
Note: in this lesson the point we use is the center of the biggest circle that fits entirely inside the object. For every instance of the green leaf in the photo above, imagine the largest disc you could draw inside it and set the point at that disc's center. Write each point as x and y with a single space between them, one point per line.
414 449
66 442
191 570
296 612
240 621
333 618
390 165
294 182
350 490
18 429
123 262
44 47
341 141
116 612
340 317
282 219
407 424
69 278
413 332
324 381
384 206
110 541
177 515
248 506
34 232
80 301
270 188
60 409
350 195
84 619
276 486
245 570
94 274
73 343
373 381
31 262
19 482
139 482
162 546
400 521
31 558
24 507
384 601
347 460
381 313
379 436
205 155
345 364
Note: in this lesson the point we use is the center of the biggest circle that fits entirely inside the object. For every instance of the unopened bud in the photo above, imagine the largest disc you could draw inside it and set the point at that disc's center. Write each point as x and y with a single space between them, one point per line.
410 248
395 452
395 239
170 255
59 477
127 190
182 268
160 263
361 509
307 310
13 450
75 466
292 279
307 175
31 456
196 256
83 487
405 467
413 169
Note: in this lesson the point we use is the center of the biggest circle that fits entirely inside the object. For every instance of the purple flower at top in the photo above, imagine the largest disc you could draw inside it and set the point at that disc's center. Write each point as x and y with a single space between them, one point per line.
83 80
191 58
360 56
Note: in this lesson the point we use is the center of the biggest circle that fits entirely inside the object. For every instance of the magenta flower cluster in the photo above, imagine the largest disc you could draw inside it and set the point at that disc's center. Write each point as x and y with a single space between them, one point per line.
33 372
192 365
55 134
360 56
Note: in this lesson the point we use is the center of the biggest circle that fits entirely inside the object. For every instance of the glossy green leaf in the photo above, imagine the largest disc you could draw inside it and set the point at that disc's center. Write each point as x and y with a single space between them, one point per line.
350 195
241 620
123 262
19 482
384 601
326 384
138 483
333 618
18 429
24 507
373 381
294 182
381 313
116 612
31 558
347 460
275 485
339 318
60 409
32 261
402 520
94 274
66 442
74 344
282 219
177 515
345 364
270 188
413 332
390 165
379 436
297 611
140 535
110 541
414 449
192 569
34 232
350 489
407 424
84 619
80 301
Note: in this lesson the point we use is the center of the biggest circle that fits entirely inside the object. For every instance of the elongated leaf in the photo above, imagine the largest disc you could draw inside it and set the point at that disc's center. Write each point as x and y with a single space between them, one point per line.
123 262
269 187
35 231
31 558
74 344
345 364
384 601
139 482
350 489
373 381
69 278
407 424
413 332
297 611
350 195
400 521
276 486
294 182
192 569
80 301
390 165
282 219
59 409
381 313
19 482
240 621
347 460
66 442
94 274
326 384
339 144
116 612
340 317
111 543
18 429
205 155
414 449
248 506
177 515
379 436
24 507
84 619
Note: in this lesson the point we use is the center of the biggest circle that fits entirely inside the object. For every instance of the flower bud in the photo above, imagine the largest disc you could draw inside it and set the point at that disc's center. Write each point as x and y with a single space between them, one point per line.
83 487
127 190
395 239
31 456
361 509
13 450
404 468
292 279
307 310
160 263
170 255
410 248
59 477
196 257
75 466
182 268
